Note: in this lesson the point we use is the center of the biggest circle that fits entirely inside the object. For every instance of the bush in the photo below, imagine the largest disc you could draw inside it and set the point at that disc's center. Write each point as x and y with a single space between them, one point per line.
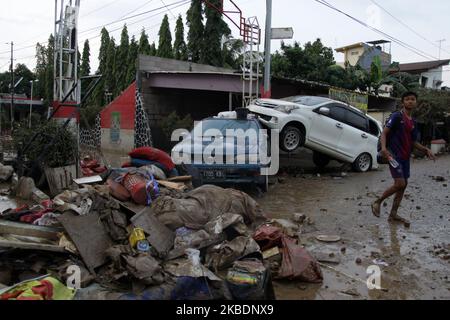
173 122
59 154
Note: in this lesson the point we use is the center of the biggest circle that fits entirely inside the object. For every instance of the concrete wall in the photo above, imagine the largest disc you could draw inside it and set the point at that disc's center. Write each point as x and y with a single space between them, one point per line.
433 75
123 145
150 63
352 55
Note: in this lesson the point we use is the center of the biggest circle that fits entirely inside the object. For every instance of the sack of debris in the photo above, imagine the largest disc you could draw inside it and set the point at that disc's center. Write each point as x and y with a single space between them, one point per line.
196 209
138 184
298 264
250 280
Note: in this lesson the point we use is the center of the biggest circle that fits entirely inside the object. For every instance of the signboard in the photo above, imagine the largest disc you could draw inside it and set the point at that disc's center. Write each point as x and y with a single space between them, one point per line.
115 127
282 33
355 99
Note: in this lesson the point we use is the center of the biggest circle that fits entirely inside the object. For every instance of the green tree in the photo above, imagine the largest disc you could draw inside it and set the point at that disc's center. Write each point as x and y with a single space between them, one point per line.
144 45
233 51
215 31
99 93
179 46
165 39
153 51
132 60
121 65
85 68
110 72
196 30
22 71
310 63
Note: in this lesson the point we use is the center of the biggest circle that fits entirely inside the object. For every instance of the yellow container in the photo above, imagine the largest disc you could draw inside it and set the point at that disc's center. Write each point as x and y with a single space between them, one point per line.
136 235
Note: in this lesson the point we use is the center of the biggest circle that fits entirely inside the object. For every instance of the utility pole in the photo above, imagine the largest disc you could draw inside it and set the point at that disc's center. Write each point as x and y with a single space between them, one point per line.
12 85
440 46
267 49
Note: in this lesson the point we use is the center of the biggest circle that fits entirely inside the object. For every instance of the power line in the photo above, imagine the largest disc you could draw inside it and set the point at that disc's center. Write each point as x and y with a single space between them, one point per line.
136 15
138 8
101 8
393 39
113 22
168 9
405 25
110 31
85 15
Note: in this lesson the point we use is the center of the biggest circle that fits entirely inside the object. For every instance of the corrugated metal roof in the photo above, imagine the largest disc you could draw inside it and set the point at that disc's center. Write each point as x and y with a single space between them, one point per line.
423 66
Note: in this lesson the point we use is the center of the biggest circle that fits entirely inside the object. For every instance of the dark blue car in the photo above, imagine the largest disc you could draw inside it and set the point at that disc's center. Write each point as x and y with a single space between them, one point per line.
225 150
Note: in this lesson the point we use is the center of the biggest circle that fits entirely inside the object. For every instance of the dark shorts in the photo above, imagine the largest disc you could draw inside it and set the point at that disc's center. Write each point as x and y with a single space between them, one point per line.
403 171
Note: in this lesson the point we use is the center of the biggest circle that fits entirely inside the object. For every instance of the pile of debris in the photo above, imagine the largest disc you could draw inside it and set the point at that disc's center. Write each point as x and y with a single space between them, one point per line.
140 236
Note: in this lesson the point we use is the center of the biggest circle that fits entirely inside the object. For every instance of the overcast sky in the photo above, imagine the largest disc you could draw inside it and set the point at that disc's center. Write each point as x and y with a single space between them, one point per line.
29 21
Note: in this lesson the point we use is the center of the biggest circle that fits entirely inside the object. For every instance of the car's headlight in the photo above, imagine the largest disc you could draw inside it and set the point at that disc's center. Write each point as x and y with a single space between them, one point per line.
286 109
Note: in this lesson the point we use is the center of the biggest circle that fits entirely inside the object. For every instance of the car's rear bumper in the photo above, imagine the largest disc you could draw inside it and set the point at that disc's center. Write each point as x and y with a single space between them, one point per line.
217 174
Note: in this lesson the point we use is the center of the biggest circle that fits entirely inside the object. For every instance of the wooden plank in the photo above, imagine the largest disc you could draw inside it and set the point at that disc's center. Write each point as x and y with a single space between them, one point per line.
172 185
88 180
160 237
180 179
89 236
31 246
22 229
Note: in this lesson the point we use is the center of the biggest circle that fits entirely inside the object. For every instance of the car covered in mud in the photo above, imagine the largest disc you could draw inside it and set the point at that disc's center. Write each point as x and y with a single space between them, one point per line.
231 148
331 129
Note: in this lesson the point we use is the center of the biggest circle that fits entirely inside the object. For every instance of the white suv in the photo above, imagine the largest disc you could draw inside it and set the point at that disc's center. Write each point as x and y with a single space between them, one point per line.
332 129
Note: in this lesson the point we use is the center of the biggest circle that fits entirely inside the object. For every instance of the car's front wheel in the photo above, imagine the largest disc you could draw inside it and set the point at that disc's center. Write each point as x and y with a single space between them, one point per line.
363 163
320 160
292 138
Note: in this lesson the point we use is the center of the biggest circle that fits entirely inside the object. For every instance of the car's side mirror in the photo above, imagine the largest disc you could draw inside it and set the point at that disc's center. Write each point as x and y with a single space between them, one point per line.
324 111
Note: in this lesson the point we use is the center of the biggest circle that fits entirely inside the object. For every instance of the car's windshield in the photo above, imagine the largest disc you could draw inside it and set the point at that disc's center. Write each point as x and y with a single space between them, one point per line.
207 126
307 100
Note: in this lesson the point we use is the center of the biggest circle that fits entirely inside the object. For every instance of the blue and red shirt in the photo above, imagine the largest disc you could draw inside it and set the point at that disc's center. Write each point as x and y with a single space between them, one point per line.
404 133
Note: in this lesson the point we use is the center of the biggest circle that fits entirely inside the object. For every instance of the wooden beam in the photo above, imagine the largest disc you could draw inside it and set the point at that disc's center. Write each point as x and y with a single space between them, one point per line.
28 230
31 246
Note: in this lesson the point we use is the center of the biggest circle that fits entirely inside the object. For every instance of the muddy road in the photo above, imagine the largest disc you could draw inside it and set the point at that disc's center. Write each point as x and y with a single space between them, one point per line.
414 262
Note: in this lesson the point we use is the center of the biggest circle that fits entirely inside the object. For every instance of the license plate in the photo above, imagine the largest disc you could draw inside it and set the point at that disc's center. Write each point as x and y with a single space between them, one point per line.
213 174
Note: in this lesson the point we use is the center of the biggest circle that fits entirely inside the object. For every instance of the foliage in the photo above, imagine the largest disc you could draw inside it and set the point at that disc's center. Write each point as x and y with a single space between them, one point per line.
60 153
110 70
165 39
85 68
215 31
196 30
433 105
179 46
121 65
132 61
144 45
173 122
310 62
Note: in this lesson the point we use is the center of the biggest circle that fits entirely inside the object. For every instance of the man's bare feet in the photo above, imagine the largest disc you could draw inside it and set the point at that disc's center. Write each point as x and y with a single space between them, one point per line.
376 208
396 218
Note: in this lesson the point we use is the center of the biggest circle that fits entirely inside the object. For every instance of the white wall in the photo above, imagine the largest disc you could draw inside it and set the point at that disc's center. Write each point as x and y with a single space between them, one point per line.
433 75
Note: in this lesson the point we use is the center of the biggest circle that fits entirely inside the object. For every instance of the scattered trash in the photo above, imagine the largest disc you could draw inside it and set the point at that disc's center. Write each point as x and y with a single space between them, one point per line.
380 262
6 172
328 238
42 288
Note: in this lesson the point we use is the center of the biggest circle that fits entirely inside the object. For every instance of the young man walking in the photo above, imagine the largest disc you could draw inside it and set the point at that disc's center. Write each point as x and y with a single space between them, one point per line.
398 140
